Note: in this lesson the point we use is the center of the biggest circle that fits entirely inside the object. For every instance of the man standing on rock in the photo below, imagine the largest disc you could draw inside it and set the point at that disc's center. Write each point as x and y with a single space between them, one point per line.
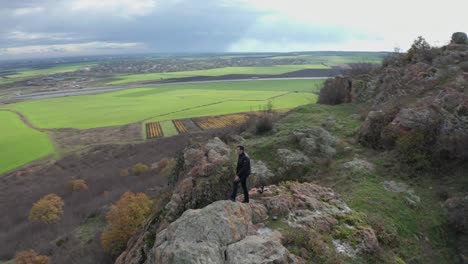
242 172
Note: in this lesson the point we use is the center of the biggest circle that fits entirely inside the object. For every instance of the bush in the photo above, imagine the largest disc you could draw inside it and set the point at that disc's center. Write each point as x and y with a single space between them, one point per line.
78 185
336 91
125 218
421 51
30 257
48 209
140 168
264 124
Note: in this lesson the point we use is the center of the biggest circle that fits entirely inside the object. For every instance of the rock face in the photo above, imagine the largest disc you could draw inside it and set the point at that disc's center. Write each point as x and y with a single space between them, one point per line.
206 177
231 232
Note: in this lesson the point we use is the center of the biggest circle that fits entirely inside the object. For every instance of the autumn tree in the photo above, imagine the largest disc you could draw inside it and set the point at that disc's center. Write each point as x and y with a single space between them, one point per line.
30 257
48 209
124 219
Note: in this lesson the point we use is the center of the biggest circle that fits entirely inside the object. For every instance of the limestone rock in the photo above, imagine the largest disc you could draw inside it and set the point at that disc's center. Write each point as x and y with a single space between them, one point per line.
260 174
359 164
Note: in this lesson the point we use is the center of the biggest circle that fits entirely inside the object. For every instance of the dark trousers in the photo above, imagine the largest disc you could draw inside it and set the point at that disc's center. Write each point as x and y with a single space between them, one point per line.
235 185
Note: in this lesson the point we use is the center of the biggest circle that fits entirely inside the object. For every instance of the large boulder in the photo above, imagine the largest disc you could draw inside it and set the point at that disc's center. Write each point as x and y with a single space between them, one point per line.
201 236
294 164
260 174
459 38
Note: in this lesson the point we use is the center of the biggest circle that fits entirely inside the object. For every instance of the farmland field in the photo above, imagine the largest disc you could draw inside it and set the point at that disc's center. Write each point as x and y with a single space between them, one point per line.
270 70
166 103
20 144
156 105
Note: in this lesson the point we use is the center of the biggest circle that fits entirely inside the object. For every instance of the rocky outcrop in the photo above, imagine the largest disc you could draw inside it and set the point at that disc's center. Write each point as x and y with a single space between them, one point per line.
443 118
258 232
425 91
459 38
228 232
316 141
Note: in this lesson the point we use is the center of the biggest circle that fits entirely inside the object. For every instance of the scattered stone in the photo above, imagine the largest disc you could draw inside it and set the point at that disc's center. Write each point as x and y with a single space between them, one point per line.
399 187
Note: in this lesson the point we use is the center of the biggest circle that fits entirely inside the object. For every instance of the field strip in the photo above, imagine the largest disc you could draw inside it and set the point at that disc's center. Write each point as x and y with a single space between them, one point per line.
25 120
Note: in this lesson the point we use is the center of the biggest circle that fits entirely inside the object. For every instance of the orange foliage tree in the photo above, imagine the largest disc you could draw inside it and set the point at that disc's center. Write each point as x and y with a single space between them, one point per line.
124 219
30 257
48 209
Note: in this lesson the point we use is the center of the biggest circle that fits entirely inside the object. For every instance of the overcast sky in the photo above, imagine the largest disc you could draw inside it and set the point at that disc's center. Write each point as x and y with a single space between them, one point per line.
52 28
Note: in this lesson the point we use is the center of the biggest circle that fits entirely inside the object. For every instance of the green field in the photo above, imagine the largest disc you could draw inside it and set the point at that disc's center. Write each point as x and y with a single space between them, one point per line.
165 103
24 73
160 103
19 143
271 70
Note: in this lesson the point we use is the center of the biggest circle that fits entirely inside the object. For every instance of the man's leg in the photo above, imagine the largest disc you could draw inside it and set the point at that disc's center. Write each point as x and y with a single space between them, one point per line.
235 185
246 191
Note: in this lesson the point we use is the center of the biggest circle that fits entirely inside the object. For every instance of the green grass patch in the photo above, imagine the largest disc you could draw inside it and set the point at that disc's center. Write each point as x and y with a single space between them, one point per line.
165 103
266 70
19 143
168 128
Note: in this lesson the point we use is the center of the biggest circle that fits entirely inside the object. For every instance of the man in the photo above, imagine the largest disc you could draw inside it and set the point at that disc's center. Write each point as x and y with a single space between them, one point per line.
242 172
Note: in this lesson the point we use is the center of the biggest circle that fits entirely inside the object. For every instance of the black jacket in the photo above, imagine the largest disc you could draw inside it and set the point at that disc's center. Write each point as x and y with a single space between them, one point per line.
243 165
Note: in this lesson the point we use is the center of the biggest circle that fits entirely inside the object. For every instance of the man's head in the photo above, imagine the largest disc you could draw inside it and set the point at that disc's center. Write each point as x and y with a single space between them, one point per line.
240 150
